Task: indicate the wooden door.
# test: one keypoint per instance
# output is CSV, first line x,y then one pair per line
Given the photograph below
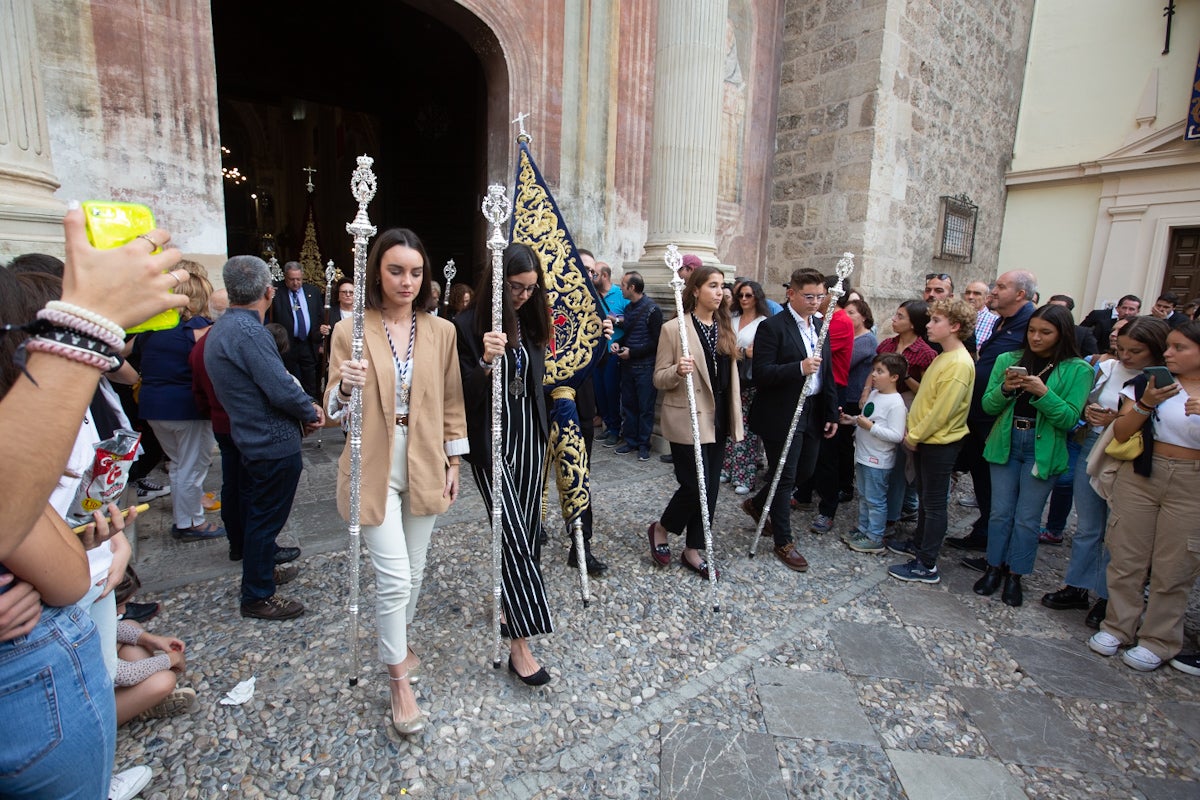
x,y
1183,265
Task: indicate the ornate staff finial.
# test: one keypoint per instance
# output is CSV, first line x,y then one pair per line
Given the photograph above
x,y
276,270
332,273
362,186
674,262
449,271
522,134
310,172
496,207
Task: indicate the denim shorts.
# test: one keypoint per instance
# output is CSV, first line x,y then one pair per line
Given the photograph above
x,y
60,720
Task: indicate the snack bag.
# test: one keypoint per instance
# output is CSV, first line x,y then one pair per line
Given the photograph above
x,y
104,481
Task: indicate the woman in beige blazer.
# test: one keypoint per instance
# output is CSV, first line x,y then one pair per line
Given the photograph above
x,y
409,372
713,346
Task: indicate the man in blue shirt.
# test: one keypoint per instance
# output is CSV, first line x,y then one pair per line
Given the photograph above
x,y
269,413
607,376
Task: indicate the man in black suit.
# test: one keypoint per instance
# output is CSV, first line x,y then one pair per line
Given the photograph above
x,y
785,352
300,308
1164,309
1101,320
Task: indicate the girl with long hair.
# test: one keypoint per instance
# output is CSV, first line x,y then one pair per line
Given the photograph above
x,y
1037,395
741,458
713,349
520,352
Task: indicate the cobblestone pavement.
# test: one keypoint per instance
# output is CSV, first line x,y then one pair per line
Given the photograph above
x,y
836,683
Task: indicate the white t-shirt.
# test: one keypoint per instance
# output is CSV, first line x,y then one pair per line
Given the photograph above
x,y
1110,379
877,447
82,454
745,336
1171,424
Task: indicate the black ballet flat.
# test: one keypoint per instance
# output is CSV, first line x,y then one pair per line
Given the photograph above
x,y
539,678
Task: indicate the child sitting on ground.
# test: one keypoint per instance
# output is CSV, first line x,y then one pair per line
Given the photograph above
x,y
879,430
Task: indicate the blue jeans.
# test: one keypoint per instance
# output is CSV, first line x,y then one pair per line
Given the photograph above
x,y
872,486
1017,502
1063,493
637,403
60,719
607,380
268,488
1089,556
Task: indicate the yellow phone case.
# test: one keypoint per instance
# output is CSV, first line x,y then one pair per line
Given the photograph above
x,y
110,224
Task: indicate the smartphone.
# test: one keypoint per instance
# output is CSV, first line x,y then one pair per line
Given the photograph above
x,y
1162,376
1021,371
144,507
112,224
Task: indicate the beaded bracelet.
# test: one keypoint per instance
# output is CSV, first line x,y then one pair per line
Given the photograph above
x,y
1139,404
86,314
62,319
1138,408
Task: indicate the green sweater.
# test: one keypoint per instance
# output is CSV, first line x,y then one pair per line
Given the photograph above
x,y
1058,412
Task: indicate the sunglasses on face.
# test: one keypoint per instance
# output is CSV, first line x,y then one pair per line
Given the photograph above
x,y
745,295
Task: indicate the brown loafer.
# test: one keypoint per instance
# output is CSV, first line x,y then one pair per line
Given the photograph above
x,y
661,553
286,573
791,558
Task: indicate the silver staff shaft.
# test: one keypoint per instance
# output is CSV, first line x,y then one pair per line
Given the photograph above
x,y
496,208
581,558
362,185
845,266
674,261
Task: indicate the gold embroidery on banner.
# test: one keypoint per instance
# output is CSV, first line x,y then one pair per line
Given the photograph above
x,y
577,326
570,469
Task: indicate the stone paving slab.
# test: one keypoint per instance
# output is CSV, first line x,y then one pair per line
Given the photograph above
x,y
1185,715
699,763
1166,789
812,705
931,609
930,777
1067,669
1023,728
881,651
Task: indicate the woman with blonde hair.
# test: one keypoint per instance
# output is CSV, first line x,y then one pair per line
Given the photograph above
x,y
167,404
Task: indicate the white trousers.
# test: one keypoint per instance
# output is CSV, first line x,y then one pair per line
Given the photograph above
x,y
189,444
398,548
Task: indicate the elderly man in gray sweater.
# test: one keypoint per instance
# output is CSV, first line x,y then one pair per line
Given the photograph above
x,y
268,415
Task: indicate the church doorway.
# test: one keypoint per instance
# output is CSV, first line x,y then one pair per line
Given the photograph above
x,y
301,94
1183,264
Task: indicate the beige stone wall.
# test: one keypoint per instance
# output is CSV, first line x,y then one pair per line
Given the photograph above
x,y
885,105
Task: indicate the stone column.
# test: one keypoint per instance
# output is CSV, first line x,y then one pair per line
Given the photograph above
x,y
688,62
30,216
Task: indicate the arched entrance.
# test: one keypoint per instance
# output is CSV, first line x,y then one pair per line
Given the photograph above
x,y
319,89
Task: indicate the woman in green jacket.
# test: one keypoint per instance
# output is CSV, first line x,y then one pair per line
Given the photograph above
x,y
1037,395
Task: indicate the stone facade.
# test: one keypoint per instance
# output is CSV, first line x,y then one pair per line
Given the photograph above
x,y
884,106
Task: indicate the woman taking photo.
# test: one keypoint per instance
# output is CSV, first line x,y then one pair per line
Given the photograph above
x,y
1141,344
410,474
520,352
1155,500
1037,395
741,457
713,347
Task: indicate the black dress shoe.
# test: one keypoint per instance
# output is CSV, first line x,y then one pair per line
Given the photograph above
x,y
140,612
539,678
978,564
990,582
1097,614
594,565
1012,590
1066,597
283,555
972,541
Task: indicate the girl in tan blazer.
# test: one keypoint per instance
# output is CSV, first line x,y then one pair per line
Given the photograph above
x,y
713,346
414,430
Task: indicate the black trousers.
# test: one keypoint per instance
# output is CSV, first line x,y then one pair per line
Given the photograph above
x,y
971,457
301,361
799,465
683,511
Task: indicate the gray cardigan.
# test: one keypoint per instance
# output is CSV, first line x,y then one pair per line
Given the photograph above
x,y
266,406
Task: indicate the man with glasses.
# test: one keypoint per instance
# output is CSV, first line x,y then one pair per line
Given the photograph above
x,y
642,324
785,354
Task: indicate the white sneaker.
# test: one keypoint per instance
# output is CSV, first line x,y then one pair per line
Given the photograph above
x,y
127,784
1104,643
1141,659
741,490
